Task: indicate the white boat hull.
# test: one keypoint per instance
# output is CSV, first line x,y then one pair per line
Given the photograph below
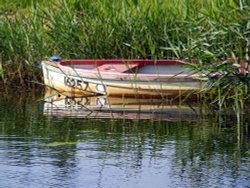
x,y
78,83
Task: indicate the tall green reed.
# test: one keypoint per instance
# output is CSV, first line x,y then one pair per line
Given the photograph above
x,y
209,31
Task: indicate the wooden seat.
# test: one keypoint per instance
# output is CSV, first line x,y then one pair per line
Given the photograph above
x,y
112,67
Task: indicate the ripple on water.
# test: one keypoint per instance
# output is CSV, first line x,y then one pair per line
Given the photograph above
x,y
36,151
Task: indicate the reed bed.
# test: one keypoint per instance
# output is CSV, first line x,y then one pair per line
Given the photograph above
x,y
209,31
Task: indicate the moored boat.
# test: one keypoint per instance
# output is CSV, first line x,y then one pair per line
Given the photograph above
x,y
121,77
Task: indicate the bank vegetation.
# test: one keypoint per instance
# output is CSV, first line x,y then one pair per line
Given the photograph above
x,y
209,31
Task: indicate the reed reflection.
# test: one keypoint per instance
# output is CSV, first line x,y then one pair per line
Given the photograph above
x,y
98,141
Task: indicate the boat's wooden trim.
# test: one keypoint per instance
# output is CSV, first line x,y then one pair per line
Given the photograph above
x,y
128,61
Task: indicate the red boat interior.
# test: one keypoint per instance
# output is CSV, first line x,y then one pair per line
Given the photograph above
x,y
128,66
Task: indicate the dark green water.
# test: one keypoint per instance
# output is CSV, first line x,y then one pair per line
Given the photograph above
x,y
39,148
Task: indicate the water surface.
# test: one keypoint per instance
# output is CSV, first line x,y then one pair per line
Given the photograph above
x,y
70,147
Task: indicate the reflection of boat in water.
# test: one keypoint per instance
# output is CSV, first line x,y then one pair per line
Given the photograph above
x,y
60,106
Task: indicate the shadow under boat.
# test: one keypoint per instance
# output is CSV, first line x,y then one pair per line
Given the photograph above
x,y
103,107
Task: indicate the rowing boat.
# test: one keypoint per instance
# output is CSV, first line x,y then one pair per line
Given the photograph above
x,y
121,77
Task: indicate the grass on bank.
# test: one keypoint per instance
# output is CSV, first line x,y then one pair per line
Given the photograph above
x,y
210,31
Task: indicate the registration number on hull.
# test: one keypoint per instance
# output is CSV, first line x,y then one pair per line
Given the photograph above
x,y
75,83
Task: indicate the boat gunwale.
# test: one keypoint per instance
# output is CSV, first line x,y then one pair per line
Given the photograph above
x,y
64,65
